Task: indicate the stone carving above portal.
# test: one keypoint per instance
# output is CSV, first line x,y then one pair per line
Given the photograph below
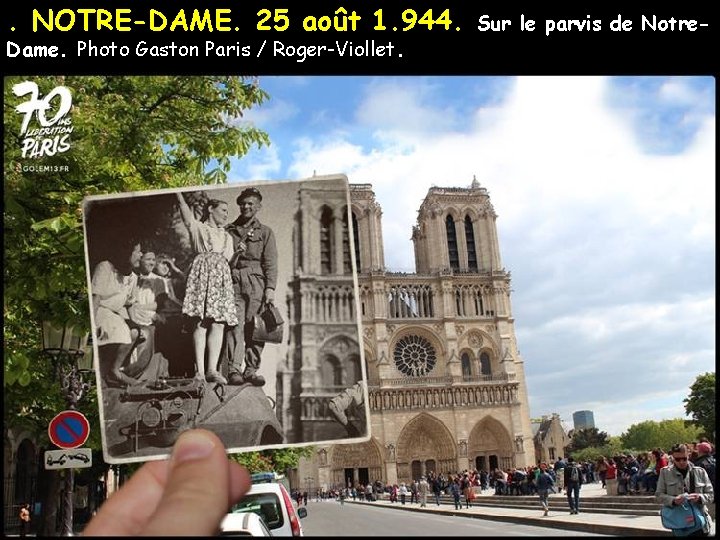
x,y
462,448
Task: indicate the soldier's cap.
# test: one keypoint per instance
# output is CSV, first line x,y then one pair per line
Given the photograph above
x,y
248,192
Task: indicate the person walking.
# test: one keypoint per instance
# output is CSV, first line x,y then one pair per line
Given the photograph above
x,y
254,268
414,492
455,492
423,488
559,469
403,493
707,462
573,481
24,519
545,484
683,481
467,490
436,486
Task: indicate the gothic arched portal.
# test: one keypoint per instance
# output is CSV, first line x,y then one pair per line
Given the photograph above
x,y
427,440
490,445
362,462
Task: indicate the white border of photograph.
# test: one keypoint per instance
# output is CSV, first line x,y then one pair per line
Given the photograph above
x,y
283,214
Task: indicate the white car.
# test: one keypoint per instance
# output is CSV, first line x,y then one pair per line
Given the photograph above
x,y
271,501
244,524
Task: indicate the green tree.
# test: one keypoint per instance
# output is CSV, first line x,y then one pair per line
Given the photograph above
x,y
613,448
584,438
651,434
700,404
128,133
279,460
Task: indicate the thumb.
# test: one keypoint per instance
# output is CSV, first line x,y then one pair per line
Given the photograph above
x,y
196,495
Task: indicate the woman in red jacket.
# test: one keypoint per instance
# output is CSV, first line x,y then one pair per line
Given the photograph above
x,y
611,473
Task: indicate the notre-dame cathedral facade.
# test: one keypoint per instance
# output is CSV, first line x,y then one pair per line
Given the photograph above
x,y
446,383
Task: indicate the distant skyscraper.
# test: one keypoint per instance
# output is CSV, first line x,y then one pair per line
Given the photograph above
x,y
583,420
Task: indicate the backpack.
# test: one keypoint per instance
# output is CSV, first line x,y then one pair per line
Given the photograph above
x,y
574,474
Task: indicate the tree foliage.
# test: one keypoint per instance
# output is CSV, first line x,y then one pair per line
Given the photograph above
x,y
129,133
278,460
700,404
614,447
651,434
584,438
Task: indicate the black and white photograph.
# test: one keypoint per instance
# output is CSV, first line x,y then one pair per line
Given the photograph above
x,y
231,308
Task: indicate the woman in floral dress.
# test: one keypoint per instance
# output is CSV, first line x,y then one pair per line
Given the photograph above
x,y
209,291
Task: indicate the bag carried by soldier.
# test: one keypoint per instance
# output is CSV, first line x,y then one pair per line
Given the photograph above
x,y
268,325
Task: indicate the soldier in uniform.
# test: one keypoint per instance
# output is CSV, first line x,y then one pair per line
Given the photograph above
x,y
254,275
350,401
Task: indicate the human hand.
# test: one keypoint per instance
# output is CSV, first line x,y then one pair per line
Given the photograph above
x,y
679,499
269,296
189,494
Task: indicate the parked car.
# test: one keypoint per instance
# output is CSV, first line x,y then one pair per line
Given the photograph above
x,y
271,501
244,524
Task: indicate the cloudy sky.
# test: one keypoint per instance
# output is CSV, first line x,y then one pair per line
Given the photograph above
x,y
605,195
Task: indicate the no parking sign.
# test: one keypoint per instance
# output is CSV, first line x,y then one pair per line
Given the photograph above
x,y
69,429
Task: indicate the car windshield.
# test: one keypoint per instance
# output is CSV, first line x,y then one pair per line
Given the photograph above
x,y
266,505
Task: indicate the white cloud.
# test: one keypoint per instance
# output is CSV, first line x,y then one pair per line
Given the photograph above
x,y
277,112
395,106
263,163
677,91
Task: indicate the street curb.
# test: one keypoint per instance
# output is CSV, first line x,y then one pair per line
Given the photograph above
x,y
615,530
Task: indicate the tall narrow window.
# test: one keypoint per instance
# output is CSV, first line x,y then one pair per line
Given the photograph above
x,y
326,221
347,263
465,362
356,238
331,372
485,368
470,241
452,243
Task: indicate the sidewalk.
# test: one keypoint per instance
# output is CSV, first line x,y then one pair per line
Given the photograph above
x,y
617,525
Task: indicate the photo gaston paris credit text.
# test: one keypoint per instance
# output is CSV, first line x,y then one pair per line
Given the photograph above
x,y
231,308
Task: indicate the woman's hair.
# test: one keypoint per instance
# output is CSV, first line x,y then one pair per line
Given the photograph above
x,y
210,205
120,255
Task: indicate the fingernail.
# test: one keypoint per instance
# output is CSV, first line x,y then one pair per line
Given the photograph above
x,y
192,445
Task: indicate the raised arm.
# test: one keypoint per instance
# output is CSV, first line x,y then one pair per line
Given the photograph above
x,y
185,211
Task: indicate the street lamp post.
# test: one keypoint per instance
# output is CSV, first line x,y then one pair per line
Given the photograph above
x,y
65,347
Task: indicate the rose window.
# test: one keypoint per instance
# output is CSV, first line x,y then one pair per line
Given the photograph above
x,y
415,356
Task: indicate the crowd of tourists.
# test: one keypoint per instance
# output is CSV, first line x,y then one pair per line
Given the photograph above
x,y
634,474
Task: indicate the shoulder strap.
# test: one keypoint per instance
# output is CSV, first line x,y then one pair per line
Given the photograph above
x,y
692,480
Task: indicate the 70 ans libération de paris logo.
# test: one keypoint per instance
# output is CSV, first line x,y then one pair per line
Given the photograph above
x,y
50,136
